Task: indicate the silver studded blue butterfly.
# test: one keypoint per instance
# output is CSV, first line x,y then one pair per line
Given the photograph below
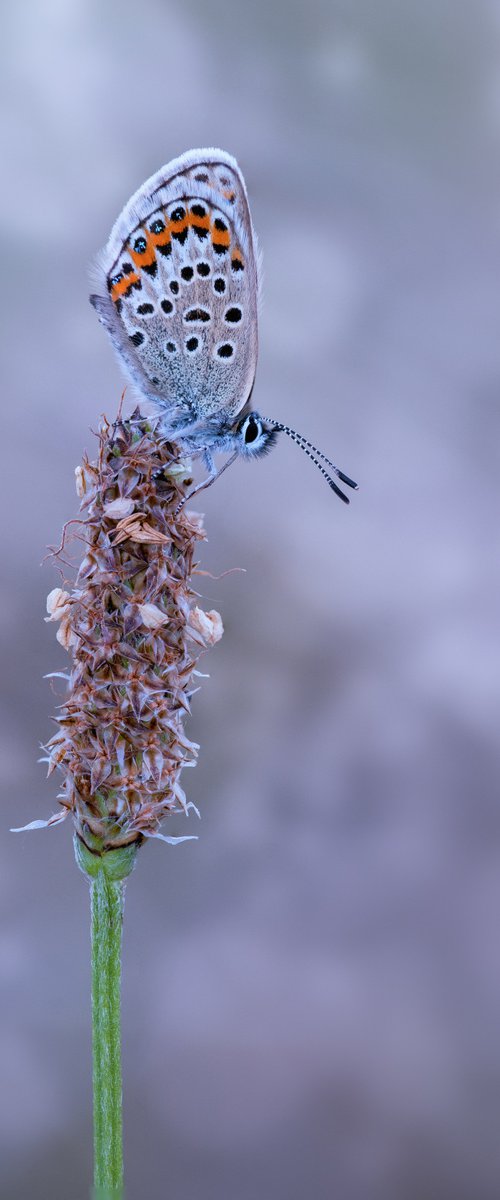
x,y
179,283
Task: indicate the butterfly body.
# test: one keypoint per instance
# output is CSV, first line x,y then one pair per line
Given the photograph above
x,y
179,289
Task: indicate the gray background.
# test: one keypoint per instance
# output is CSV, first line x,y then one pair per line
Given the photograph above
x,y
311,990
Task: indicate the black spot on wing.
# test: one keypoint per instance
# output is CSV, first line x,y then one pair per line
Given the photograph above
x,y
197,314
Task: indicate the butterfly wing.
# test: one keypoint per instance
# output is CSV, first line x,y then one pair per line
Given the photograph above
x,y
179,282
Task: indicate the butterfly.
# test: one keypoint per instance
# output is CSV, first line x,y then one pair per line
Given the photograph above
x,y
179,287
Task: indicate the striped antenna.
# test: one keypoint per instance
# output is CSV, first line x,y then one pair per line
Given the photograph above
x,y
315,454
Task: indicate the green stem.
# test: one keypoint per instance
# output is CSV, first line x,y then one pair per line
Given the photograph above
x,y
107,898
106,872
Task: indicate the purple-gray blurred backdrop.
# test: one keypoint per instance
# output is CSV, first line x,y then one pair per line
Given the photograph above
x,y
312,990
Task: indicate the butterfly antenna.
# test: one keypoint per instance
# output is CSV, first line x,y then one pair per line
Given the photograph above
x,y
314,454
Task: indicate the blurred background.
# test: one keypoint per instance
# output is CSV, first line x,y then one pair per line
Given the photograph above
x,y
312,990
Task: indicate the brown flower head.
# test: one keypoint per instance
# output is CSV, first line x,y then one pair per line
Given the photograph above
x,y
135,635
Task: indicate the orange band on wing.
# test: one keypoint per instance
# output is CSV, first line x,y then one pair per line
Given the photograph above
x,y
146,257
201,222
123,286
220,237
160,239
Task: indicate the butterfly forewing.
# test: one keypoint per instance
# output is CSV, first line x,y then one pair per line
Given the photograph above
x,y
181,279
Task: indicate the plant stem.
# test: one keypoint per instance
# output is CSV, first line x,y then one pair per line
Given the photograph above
x,y
106,871
107,898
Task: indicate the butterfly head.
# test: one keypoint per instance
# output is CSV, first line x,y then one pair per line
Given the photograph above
x,y
253,435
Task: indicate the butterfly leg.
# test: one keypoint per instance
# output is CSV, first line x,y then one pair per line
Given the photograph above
x,y
214,474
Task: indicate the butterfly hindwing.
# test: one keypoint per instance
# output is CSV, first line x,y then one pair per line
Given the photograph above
x,y
180,278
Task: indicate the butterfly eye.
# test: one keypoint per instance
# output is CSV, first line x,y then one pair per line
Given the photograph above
x,y
253,430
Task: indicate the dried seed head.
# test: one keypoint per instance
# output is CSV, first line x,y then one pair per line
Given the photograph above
x,y
135,637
